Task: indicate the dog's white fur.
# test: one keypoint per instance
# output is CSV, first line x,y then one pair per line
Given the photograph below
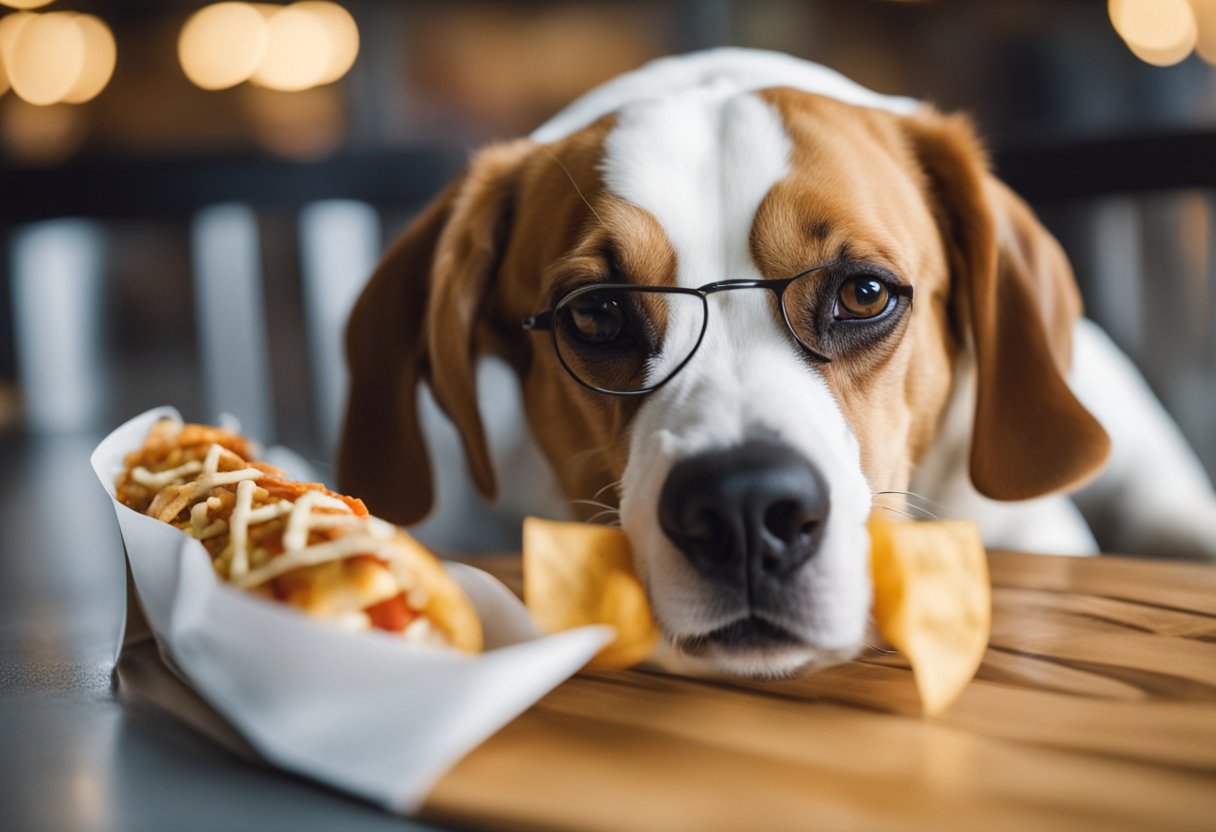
x,y
697,150
700,163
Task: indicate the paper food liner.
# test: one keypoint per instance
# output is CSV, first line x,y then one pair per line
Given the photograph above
x,y
367,712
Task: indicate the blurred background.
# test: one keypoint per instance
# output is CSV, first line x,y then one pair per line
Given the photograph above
x,y
191,195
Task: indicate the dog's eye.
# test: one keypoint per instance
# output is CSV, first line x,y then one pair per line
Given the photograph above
x,y
862,297
597,318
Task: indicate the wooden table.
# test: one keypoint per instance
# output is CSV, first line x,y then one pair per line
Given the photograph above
x,y
1095,708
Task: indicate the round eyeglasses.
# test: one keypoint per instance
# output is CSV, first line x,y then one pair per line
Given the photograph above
x,y
623,339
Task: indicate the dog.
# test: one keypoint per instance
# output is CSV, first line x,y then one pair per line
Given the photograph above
x,y
752,300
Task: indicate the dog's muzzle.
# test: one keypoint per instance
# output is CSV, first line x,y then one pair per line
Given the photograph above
x,y
747,518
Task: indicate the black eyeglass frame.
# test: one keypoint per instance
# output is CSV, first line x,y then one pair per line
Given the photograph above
x,y
544,321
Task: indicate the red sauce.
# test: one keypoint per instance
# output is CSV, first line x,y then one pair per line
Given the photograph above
x,y
393,615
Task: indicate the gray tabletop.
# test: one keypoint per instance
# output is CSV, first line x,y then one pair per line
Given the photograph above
x,y
71,756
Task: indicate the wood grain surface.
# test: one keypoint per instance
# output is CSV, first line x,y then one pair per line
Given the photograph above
x,y
1095,708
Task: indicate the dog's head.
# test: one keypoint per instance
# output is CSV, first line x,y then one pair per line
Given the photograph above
x,y
746,478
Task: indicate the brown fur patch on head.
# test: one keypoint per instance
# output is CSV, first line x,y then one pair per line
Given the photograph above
x,y
569,232
455,286
855,194
913,195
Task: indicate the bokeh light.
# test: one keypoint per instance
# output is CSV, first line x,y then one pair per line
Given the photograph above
x,y
10,26
60,57
343,37
1205,17
222,45
45,58
3,72
25,4
100,55
297,51
1159,32
289,48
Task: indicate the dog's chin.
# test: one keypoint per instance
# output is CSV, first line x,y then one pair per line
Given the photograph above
x,y
747,647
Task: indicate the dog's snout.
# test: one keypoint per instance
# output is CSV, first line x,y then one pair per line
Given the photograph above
x,y
751,514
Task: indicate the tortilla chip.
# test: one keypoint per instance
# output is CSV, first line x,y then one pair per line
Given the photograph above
x,y
932,601
577,574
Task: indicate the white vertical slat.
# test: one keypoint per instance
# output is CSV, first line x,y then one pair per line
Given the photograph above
x,y
1116,250
57,318
339,246
232,318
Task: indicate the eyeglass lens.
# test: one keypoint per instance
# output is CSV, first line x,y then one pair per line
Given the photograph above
x,y
626,340
629,340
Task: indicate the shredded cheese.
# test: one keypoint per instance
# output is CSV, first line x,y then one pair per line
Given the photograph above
x,y
209,481
211,463
367,535
343,547
269,512
162,478
198,517
239,529
296,535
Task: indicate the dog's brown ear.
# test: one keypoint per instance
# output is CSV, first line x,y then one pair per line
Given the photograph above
x,y
416,320
1014,294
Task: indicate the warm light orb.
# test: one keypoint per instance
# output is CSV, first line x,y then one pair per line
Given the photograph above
x,y
221,45
1160,32
1205,17
45,58
25,4
100,54
297,51
10,26
3,71
286,48
1164,57
343,36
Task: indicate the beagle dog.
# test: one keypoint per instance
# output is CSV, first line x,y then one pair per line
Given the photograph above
x,y
750,299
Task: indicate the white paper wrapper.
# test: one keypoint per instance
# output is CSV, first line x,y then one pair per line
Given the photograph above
x,y
365,712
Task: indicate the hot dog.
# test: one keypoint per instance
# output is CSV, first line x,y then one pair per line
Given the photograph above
x,y
294,542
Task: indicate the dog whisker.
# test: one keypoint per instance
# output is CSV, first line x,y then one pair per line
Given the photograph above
x,y
908,509
872,641
577,189
582,456
923,513
613,484
593,504
875,647
612,514
923,500
899,512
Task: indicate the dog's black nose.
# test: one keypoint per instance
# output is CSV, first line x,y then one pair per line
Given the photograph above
x,y
750,514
